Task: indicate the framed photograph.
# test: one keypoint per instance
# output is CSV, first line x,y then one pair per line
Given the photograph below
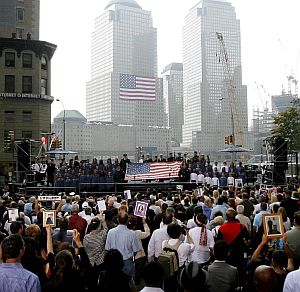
x,y
49,218
179,187
259,178
13,214
197,192
238,182
140,209
127,195
273,225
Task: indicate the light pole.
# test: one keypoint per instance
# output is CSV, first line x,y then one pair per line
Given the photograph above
x,y
64,123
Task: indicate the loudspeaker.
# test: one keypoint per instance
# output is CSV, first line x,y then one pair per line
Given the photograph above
x,y
23,156
278,175
280,153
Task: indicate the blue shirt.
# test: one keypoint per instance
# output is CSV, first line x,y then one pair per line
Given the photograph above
x,y
14,278
258,219
124,240
223,208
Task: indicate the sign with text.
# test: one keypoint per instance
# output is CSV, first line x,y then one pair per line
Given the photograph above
x,y
101,205
49,198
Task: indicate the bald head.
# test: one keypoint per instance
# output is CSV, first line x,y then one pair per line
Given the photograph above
x,y
264,279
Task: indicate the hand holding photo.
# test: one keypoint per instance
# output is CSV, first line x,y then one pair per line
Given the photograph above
x,y
13,214
273,225
49,218
127,195
140,209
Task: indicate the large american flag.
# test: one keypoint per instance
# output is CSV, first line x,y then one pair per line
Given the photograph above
x,y
137,88
153,170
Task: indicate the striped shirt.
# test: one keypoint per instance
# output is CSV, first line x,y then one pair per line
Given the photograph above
x,y
94,244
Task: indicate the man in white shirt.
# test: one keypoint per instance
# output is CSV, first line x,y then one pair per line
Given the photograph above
x,y
230,180
216,167
201,178
215,181
207,180
242,218
194,177
292,282
87,214
155,208
157,238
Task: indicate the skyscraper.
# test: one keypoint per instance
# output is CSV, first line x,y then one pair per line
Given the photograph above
x,y
124,57
20,17
207,108
173,96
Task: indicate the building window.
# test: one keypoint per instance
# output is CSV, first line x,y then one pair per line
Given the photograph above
x,y
44,63
27,84
27,116
27,60
9,116
9,59
27,134
20,14
44,86
20,32
8,139
9,83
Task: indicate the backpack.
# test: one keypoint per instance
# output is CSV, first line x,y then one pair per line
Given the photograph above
x,y
168,258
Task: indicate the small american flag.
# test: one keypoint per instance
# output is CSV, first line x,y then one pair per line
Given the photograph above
x,y
153,170
137,88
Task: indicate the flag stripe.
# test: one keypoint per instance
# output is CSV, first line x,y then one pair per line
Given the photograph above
x,y
155,170
137,87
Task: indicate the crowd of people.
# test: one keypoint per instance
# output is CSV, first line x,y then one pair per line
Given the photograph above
x,y
100,176
212,240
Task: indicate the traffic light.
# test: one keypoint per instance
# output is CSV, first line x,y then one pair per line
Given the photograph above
x,y
59,144
55,143
231,139
226,140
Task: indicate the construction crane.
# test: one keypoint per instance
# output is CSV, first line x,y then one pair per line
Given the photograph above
x,y
238,137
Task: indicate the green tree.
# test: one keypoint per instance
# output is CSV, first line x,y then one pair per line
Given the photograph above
x,y
288,125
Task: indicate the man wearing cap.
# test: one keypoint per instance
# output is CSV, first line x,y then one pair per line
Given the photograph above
x,y
161,158
170,158
148,158
179,157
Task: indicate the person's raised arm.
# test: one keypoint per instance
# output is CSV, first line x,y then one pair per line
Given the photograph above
x,y
36,207
257,252
49,239
58,208
76,238
146,232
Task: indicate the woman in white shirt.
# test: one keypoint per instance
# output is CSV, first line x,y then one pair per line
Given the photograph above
x,y
203,241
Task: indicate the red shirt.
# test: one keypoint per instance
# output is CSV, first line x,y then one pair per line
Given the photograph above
x,y
76,222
